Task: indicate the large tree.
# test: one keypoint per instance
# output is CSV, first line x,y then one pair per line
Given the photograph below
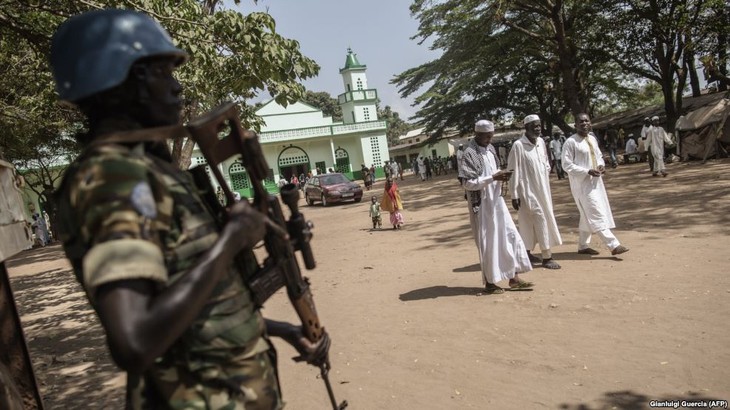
x,y
232,57
660,40
504,58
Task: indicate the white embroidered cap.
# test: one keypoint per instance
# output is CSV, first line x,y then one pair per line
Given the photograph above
x,y
484,126
530,118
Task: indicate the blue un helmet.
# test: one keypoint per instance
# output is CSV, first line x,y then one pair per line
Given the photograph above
x,y
93,52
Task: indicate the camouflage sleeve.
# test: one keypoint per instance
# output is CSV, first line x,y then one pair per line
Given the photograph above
x,y
116,206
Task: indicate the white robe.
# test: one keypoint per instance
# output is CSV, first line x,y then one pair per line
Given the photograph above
x,y
501,250
531,184
655,138
588,192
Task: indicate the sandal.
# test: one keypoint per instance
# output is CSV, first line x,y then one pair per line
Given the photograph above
x,y
521,285
550,264
588,251
491,289
619,250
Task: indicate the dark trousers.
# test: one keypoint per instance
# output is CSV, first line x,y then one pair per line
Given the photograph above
x,y
559,169
651,160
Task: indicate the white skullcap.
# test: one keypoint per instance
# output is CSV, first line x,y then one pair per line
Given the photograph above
x,y
484,126
530,118
655,118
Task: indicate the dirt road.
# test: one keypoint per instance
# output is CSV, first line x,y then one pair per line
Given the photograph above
x,y
409,331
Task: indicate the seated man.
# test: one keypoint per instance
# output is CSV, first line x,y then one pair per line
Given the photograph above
x,y
632,150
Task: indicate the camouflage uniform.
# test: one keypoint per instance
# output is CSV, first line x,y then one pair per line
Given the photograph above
x,y
127,214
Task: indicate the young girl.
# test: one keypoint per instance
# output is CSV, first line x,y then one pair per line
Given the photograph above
x,y
392,203
375,213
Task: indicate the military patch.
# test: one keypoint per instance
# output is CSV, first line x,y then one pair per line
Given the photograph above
x,y
143,201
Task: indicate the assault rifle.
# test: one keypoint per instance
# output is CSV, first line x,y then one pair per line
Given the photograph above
x,y
283,237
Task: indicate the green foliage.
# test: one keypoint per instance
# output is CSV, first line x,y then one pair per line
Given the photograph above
x,y
325,102
506,58
396,125
502,59
660,41
232,57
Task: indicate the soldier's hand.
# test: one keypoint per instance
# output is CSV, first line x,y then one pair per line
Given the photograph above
x,y
314,353
516,204
246,226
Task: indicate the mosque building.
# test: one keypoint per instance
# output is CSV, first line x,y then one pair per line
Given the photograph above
x,y
299,138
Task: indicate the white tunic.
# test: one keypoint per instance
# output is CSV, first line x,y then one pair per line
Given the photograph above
x,y
655,142
501,250
531,184
588,192
421,166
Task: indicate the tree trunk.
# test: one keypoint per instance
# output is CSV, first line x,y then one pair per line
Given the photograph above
x,y
186,154
694,79
722,55
568,70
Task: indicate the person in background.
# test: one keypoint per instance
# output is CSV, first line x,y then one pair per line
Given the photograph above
x,y
421,165
38,231
612,145
394,169
366,177
644,142
392,203
282,181
631,148
556,148
375,213
656,137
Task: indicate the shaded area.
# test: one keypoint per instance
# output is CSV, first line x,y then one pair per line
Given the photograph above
x,y
692,194
433,292
36,255
629,400
471,268
66,342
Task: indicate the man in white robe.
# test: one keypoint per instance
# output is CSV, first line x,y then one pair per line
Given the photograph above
x,y
644,142
583,161
655,144
529,188
421,167
502,254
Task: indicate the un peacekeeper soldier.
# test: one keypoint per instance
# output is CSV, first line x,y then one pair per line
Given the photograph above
x,y
155,265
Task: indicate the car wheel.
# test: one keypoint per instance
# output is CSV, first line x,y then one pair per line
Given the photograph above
x,y
358,199
324,200
309,200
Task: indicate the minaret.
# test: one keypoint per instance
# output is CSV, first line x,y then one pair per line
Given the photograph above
x,y
357,102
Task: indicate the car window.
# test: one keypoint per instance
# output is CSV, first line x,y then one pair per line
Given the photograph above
x,y
334,179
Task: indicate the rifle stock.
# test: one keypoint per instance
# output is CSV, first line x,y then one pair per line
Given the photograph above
x,y
280,267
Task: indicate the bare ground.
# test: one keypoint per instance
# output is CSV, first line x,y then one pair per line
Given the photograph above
x,y
409,331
